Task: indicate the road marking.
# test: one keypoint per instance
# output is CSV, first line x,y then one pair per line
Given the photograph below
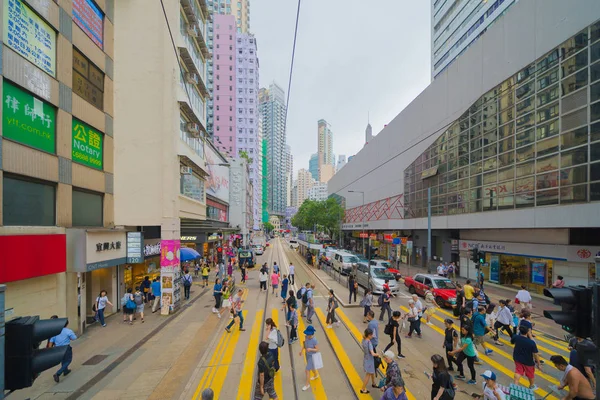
x,y
245,385
355,379
356,333
495,364
278,381
317,384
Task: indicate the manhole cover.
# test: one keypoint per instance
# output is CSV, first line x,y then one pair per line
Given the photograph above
x,y
95,360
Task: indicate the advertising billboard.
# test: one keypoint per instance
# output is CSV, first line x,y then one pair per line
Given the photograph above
x,y
217,182
88,146
29,35
88,16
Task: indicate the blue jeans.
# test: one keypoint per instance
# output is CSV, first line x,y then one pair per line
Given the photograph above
x,y
288,315
275,354
66,361
101,316
241,317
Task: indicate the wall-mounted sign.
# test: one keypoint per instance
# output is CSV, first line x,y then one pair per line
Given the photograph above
x,y
188,238
28,120
88,80
135,244
87,145
363,235
217,183
152,249
428,173
104,249
107,246
373,236
213,237
29,35
89,18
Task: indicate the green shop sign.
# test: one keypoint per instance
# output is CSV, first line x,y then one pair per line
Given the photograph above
x,y
27,119
87,145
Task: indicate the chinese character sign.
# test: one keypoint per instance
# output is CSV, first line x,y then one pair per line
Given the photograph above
x,y
90,19
169,253
29,35
87,145
28,120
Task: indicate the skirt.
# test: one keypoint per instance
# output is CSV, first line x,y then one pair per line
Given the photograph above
x,y
430,311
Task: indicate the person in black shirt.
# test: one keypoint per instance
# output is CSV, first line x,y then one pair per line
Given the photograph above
x,y
460,300
466,318
393,327
442,381
450,342
352,288
265,381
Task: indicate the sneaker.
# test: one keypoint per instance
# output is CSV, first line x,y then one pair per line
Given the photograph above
x,y
67,372
429,323
488,352
477,362
533,387
219,315
227,329
472,382
329,326
408,336
312,378
305,388
243,329
55,376
460,377
401,356
498,344
338,324
104,326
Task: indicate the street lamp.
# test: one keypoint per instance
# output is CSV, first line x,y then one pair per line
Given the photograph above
x,y
362,217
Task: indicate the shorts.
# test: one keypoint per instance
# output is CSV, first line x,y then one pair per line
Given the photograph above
x,y
269,388
204,278
128,311
430,311
478,340
275,286
527,371
140,308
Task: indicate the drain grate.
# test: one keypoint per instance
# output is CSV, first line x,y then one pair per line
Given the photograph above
x,y
95,360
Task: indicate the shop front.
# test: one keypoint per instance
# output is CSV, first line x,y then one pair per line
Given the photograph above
x,y
148,266
95,255
534,265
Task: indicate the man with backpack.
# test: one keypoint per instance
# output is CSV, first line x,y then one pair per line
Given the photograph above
x,y
266,373
310,303
301,295
187,284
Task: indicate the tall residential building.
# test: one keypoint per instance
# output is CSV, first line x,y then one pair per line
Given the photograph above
x,y
295,193
163,132
247,116
340,162
305,181
456,24
313,166
318,192
368,133
225,84
325,138
326,172
265,174
272,112
57,172
289,173
240,9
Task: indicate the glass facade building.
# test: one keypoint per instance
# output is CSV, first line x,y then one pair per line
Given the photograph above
x,y
531,141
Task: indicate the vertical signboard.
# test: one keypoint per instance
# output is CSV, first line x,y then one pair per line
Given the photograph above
x,y
170,275
29,35
135,246
28,120
88,145
88,16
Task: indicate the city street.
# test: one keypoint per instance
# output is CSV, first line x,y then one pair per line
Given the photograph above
x,y
178,356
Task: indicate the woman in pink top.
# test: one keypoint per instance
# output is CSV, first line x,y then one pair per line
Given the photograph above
x,y
274,282
559,282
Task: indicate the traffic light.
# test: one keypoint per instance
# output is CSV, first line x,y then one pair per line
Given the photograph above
x,y
481,257
474,254
23,361
219,254
576,314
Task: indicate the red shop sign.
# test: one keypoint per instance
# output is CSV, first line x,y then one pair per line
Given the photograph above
x,y
373,236
363,235
387,237
31,256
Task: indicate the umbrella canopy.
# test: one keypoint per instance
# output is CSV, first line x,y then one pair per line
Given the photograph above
x,y
187,254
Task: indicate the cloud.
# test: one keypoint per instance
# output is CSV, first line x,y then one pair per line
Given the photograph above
x,y
352,58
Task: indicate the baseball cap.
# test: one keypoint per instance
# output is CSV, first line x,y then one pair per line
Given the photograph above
x,y
489,375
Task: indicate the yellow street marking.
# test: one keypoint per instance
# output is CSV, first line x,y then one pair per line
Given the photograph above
x,y
221,371
356,333
338,349
495,364
317,384
278,382
245,385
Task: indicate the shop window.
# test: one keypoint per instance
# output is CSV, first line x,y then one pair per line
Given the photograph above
x,y
87,208
573,194
574,138
28,202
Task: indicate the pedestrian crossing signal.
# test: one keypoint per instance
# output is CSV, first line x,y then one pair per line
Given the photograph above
x,y
576,314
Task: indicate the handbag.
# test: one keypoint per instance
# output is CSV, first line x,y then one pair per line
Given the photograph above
x,y
317,360
130,304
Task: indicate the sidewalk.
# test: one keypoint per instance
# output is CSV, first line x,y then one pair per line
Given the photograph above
x,y
129,361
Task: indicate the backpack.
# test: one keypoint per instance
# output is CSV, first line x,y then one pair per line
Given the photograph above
x,y
388,330
280,339
187,282
270,369
305,297
380,300
138,299
299,293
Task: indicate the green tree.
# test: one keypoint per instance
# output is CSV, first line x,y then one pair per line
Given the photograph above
x,y
268,226
244,155
326,214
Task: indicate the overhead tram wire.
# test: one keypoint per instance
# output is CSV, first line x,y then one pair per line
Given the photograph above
x,y
287,103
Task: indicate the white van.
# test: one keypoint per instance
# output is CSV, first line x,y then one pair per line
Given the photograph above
x,y
294,244
344,262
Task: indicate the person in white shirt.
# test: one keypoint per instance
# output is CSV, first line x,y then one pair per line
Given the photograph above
x,y
504,320
491,391
292,273
262,278
440,270
524,298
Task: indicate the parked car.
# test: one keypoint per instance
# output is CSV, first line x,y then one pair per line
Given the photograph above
x,y
378,277
294,244
326,256
258,250
443,289
344,262
388,266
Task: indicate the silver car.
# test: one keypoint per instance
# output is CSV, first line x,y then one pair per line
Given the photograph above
x,y
378,277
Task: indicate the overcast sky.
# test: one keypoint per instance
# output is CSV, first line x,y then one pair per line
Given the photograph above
x,y
352,57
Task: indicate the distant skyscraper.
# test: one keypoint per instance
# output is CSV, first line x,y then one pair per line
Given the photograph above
x,y
455,25
313,166
326,172
272,113
368,133
340,162
318,192
305,182
325,143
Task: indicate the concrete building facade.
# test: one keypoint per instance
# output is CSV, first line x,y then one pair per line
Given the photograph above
x,y
340,162
289,174
318,192
241,198
272,113
507,141
304,182
326,172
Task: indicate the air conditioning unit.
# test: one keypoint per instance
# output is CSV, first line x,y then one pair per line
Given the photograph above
x,y
192,30
186,170
191,78
193,128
